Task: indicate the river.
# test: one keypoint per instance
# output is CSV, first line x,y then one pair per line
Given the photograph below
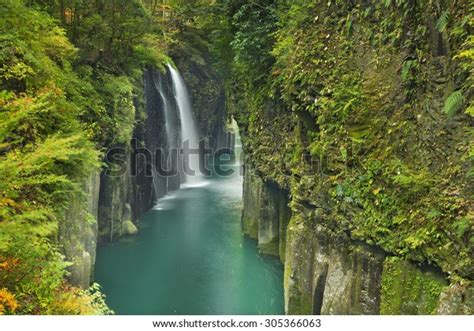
x,y
190,257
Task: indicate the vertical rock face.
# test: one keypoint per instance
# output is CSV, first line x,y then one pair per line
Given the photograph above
x,y
326,273
410,290
252,195
78,233
127,194
155,133
150,143
115,193
266,213
329,273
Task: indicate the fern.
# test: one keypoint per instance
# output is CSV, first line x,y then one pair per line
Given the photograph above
x,y
387,3
406,69
443,21
453,103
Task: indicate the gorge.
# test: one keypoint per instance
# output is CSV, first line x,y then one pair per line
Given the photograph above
x,y
193,258
347,127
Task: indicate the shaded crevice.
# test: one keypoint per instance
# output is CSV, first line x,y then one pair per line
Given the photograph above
x,y
318,293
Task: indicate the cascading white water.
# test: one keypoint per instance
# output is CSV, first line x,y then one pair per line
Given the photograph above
x,y
188,126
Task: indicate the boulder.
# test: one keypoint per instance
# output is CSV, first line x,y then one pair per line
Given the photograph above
x,y
128,228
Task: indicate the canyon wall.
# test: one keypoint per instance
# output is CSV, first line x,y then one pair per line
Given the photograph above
x,y
360,114
79,231
327,272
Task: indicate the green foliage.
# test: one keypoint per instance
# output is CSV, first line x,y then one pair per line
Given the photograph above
x,y
406,69
70,78
27,119
117,93
465,56
253,25
443,21
352,119
106,32
45,154
31,55
408,291
46,174
34,290
453,103
73,301
150,53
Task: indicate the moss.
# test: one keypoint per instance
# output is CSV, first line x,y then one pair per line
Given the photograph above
x,y
286,283
457,299
408,290
288,269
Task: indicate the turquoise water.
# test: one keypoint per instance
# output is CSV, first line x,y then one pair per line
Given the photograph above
x,y
190,257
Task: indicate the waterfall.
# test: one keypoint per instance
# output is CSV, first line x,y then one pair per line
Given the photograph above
x,y
188,125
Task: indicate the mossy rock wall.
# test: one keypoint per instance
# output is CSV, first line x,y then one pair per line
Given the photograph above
x,y
408,290
78,233
364,110
266,214
327,272
115,194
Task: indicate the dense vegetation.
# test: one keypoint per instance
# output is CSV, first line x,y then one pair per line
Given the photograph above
x,y
362,109
68,74
70,87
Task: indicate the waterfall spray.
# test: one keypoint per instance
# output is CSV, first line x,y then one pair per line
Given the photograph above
x,y
188,126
